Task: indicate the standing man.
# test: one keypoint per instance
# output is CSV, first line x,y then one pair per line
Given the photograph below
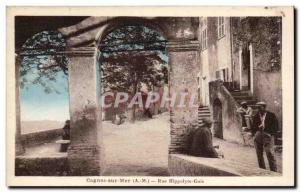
x,y
265,127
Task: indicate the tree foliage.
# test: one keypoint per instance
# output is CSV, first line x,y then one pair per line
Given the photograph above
x,y
130,55
265,35
133,56
41,61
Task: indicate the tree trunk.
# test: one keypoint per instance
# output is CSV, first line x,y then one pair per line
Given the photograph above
x,y
132,111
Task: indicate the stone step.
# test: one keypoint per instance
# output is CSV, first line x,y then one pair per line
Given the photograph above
x,y
203,112
203,108
203,115
249,102
199,114
241,93
246,98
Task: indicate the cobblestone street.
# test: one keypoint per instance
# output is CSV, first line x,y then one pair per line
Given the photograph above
x,y
142,148
137,149
244,154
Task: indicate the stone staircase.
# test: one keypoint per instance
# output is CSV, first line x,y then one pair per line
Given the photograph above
x,y
203,112
239,96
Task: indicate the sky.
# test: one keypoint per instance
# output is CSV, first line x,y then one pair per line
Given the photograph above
x,y
37,105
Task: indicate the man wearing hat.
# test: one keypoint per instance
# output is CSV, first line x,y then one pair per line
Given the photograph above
x,y
245,110
265,127
201,141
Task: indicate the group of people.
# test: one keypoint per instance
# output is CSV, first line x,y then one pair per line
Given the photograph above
x,y
263,126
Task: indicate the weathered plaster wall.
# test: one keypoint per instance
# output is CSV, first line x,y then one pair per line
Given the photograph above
x,y
224,47
204,71
270,81
184,62
212,47
84,151
95,28
184,165
230,118
205,78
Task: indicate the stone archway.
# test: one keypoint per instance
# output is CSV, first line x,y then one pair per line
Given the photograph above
x,y
217,119
86,129
129,51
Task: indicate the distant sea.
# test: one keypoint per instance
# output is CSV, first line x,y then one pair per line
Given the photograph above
x,y
37,126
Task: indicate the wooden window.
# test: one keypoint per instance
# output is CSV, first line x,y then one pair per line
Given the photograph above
x,y
221,27
203,35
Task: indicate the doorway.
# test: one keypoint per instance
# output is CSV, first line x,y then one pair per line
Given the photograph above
x,y
246,68
217,119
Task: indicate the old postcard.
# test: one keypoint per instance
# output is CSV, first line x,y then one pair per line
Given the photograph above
x,y
150,96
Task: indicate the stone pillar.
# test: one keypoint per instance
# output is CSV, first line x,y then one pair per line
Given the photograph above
x,y
184,67
19,149
84,90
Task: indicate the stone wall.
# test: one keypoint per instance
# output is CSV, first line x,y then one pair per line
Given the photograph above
x,y
25,166
231,120
184,66
42,137
84,150
184,165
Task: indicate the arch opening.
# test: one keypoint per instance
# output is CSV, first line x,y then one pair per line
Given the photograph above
x,y
217,118
133,64
42,76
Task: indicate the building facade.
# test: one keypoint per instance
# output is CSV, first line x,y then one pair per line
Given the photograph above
x,y
240,61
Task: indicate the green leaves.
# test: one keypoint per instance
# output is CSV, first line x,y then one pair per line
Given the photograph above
x,y
265,35
42,61
132,56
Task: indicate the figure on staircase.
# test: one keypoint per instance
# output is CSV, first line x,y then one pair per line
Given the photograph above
x,y
246,113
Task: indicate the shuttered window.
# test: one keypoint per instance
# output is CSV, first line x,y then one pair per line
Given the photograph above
x,y
221,27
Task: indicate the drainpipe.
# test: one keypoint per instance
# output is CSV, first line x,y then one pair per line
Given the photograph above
x,y
231,50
